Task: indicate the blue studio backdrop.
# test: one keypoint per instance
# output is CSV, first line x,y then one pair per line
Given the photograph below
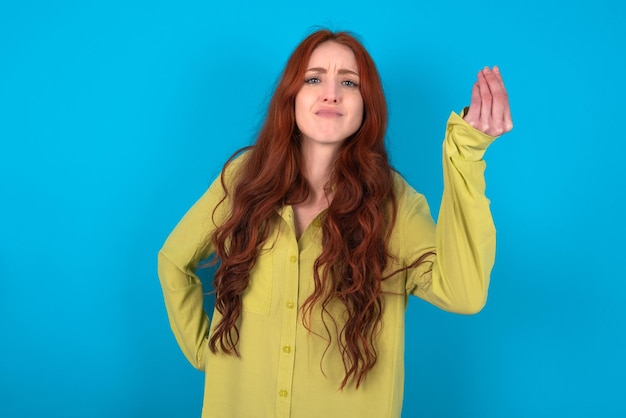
x,y
116,115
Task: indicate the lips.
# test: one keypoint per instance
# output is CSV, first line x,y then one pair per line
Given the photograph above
x,y
329,113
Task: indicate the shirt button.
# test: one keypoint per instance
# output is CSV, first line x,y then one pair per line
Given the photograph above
x,y
282,393
317,223
287,349
290,304
293,259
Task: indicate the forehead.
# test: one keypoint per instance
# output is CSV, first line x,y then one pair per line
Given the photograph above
x,y
333,54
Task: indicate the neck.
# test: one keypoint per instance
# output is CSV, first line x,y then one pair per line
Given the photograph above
x,y
318,163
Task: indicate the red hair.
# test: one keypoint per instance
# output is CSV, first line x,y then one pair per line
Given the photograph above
x,y
356,227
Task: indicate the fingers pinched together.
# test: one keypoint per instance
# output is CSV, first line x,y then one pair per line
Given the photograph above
x,y
489,110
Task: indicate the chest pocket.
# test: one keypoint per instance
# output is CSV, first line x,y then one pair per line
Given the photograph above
x,y
258,295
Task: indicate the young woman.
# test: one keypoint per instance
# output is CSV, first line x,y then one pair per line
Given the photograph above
x,y
319,242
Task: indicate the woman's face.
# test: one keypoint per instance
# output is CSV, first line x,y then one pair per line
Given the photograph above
x,y
329,106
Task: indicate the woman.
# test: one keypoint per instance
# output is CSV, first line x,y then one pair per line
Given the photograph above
x,y
319,242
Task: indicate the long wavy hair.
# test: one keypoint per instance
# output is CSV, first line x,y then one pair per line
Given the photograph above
x,y
356,227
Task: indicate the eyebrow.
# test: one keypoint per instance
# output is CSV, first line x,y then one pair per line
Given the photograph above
x,y
323,71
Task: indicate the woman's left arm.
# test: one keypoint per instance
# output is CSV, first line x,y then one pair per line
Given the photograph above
x,y
464,238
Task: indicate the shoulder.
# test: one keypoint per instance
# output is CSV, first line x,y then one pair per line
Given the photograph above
x,y
410,204
404,193
234,166
413,227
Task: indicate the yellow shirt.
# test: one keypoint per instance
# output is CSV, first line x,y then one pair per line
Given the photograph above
x,y
285,370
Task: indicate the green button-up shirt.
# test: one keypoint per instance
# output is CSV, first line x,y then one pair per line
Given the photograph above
x,y
286,370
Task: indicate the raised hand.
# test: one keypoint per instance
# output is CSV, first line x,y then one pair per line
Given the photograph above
x,y
489,110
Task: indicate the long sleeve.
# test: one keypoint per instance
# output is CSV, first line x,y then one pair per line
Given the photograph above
x,y
456,278
189,243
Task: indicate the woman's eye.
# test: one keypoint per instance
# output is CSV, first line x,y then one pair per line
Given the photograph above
x,y
350,83
312,80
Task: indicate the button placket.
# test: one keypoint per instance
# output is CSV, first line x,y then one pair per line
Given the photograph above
x,y
288,332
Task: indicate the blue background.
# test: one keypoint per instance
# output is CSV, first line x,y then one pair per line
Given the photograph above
x,y
115,116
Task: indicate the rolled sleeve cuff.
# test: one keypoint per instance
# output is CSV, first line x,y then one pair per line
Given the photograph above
x,y
465,140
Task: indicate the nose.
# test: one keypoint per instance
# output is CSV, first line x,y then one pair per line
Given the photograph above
x,y
331,93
